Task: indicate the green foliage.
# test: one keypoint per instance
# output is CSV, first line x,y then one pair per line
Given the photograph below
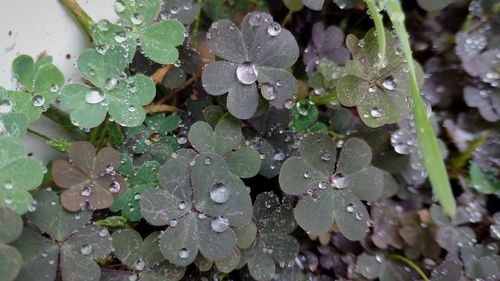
x,y
232,9
18,175
201,201
11,227
122,96
305,116
70,244
156,128
12,122
88,177
332,189
378,266
483,182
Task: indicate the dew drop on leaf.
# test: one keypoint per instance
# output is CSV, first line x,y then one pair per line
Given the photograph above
x,y
86,191
104,24
86,249
132,277
119,7
137,196
103,232
54,88
351,208
339,181
131,108
114,187
307,174
8,200
110,83
8,185
95,95
255,19
268,91
359,216
372,89
182,205
376,112
136,19
220,193
247,73
322,185
173,223
120,37
274,29
361,43
184,253
139,264
207,161
220,224
5,106
389,83
289,103
326,156
177,63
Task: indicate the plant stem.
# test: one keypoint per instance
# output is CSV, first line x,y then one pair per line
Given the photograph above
x,y
40,135
461,159
81,16
103,134
287,18
410,264
58,144
379,29
62,119
196,27
433,160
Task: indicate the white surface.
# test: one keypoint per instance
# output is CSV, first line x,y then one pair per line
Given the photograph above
x,y
36,26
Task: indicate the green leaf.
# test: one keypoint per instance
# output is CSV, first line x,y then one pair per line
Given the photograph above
x,y
482,182
12,262
13,125
11,225
18,175
139,13
245,162
156,129
304,116
154,40
109,34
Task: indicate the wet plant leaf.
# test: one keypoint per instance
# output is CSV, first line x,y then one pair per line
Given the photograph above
x,y
185,11
88,177
11,227
325,44
157,128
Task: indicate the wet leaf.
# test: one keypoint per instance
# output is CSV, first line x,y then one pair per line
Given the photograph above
x,y
157,128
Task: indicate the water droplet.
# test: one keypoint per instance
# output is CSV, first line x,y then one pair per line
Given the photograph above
x,y
114,187
54,88
268,91
307,174
136,19
5,106
326,156
351,208
220,224
137,196
8,200
207,161
8,185
133,277
86,249
184,253
102,50
274,29
372,89
110,83
95,95
255,19
289,103
139,264
338,180
32,206
247,73
188,6
103,25
389,83
359,216
202,216
131,108
361,43
173,223
220,193
182,205
103,232
322,185
109,169
174,10
376,112
119,7
86,191
177,63
182,140
120,37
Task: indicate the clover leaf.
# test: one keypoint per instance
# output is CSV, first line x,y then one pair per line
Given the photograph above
x,y
273,243
325,44
380,91
386,225
202,202
122,96
88,177
61,243
156,129
144,257
419,234
12,122
305,118
185,11
39,79
157,40
188,63
258,53
486,100
329,189
225,140
141,179
11,227
373,267
18,175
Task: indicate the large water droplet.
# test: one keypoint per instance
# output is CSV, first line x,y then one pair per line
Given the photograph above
x,y
119,7
114,187
289,104
322,185
86,249
372,89
86,191
351,208
110,83
184,253
220,193
120,37
103,232
38,101
103,25
8,200
268,91
136,19
376,112
182,205
389,83
359,216
95,95
274,29
139,264
5,106
8,185
220,224
247,73
339,181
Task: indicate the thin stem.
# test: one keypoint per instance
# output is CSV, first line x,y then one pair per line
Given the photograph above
x,y
460,161
196,27
103,134
431,152
81,16
287,18
379,28
410,264
63,120
40,135
58,144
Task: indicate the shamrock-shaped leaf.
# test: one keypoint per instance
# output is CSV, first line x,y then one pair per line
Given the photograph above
x,y
88,177
11,226
373,267
325,43
273,243
201,201
144,257
448,270
141,179
379,90
156,128
225,140
122,96
188,63
330,188
185,11
16,111
18,174
158,40
385,215
480,262
66,245
305,116
419,234
257,54
40,79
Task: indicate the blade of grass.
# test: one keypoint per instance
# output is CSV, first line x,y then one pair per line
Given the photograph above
x,y
433,161
379,29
